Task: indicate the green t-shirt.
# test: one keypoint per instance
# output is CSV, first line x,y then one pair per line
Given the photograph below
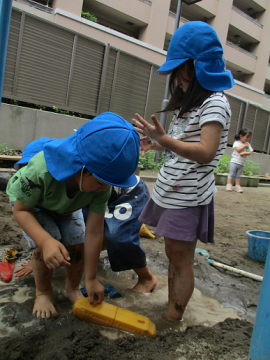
x,y
33,185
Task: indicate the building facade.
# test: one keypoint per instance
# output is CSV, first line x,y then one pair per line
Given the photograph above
x,y
56,57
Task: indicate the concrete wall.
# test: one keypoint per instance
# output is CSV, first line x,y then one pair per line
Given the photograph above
x,y
22,125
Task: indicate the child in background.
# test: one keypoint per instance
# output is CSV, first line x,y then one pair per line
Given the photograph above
x,y
50,192
182,207
242,149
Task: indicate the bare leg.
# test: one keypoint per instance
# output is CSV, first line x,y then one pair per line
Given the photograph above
x,y
237,182
74,272
146,281
181,276
44,293
25,270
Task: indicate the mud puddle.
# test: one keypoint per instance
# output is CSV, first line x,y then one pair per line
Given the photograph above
x,y
201,310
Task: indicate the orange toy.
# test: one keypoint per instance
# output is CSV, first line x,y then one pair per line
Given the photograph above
x,y
7,265
113,316
6,271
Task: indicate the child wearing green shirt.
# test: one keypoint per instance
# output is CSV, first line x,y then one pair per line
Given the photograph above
x,y
49,192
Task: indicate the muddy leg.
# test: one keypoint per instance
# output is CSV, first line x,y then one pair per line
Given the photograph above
x,y
74,272
146,281
44,293
181,276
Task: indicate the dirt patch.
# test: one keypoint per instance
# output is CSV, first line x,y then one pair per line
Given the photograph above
x,y
69,338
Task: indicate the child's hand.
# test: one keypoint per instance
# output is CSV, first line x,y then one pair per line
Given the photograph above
x,y
95,291
153,132
145,145
55,254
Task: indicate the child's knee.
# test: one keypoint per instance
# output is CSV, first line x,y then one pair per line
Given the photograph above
x,y
37,254
75,252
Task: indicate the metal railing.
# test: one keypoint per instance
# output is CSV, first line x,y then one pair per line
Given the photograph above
x,y
247,16
240,49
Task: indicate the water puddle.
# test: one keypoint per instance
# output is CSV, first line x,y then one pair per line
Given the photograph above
x,y
201,310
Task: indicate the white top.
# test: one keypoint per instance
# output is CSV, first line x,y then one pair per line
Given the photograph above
x,y
236,158
183,183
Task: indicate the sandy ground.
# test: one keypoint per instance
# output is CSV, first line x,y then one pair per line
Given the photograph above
x,y
69,338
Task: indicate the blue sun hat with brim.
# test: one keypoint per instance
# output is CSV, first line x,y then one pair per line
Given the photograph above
x,y
199,41
31,150
108,146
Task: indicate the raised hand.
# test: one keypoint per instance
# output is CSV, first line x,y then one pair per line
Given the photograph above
x,y
153,132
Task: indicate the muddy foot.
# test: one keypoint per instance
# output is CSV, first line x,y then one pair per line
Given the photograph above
x,y
44,305
145,286
74,294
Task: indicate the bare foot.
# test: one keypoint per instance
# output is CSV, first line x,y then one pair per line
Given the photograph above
x,y
25,270
44,305
145,286
165,316
175,312
74,294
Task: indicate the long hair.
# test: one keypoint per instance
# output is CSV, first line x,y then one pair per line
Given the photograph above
x,y
195,94
242,132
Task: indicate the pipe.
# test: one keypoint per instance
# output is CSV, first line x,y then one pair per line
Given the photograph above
x,y
260,344
5,14
238,271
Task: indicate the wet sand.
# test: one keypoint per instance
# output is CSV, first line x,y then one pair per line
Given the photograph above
x,y
219,294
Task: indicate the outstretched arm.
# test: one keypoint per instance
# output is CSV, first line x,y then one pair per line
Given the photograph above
x,y
202,152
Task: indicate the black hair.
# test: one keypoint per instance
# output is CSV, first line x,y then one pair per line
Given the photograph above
x,y
242,132
195,94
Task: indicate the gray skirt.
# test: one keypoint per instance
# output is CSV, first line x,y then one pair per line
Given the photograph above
x,y
187,224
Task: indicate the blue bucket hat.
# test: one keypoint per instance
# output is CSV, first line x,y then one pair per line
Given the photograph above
x,y
108,146
199,41
31,150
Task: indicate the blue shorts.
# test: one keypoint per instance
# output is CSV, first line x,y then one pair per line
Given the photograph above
x,y
122,227
68,229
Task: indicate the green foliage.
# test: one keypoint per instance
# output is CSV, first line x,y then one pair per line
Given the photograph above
x,y
251,168
4,150
148,161
65,112
89,16
223,164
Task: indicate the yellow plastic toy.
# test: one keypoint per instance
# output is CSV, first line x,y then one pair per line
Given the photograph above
x,y
113,316
145,232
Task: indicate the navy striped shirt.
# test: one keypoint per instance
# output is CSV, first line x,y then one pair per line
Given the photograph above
x,y
183,183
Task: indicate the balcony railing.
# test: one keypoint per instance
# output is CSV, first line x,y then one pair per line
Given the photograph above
x,y
172,14
247,16
240,49
148,2
37,5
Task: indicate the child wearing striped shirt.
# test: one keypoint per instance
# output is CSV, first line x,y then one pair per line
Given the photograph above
x,y
182,207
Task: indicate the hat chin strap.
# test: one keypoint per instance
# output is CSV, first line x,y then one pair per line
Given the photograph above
x,y
80,185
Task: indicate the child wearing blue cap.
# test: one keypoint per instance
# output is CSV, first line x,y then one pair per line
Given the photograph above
x,y
182,207
121,226
50,192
